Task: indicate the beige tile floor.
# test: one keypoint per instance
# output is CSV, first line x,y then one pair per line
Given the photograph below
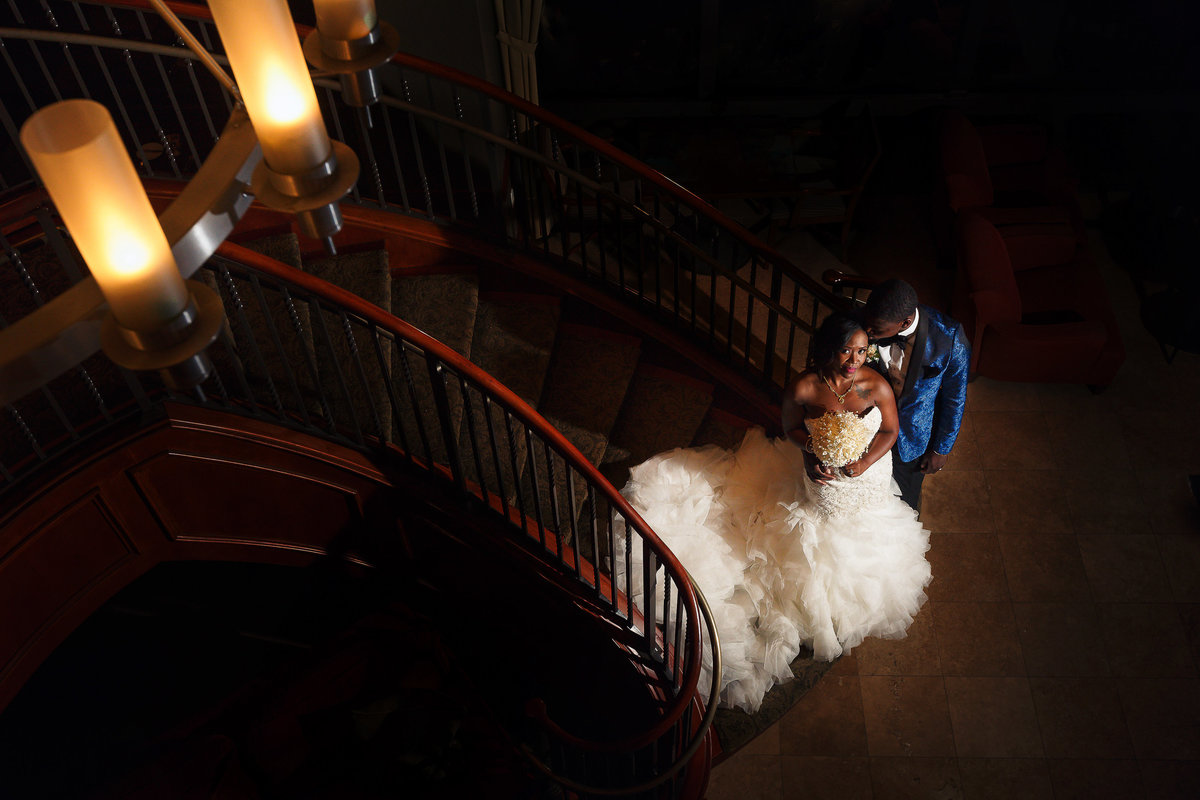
x,y
1059,653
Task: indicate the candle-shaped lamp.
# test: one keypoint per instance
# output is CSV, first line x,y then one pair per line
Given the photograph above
x,y
350,41
83,164
157,321
264,52
302,171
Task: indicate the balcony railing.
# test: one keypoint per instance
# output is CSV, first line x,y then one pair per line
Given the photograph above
x,y
448,147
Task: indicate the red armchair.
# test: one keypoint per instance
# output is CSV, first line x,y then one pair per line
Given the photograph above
x,y
1009,173
1041,315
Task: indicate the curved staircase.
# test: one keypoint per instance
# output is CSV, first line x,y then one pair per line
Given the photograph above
x,y
630,314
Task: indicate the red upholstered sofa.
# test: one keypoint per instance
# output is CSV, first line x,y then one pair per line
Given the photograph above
x,y
1033,305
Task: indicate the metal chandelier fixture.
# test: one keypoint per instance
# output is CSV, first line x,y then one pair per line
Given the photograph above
x,y
140,303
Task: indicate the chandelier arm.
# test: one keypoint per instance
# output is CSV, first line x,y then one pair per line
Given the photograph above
x,y
194,45
65,331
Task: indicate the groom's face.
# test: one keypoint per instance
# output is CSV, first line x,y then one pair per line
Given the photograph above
x,y
881,328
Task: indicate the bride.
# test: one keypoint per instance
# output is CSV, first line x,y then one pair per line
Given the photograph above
x,y
800,541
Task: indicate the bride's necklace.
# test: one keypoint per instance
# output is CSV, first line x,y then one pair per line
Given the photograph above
x,y
841,398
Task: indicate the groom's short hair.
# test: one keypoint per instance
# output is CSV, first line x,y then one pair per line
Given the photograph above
x,y
891,301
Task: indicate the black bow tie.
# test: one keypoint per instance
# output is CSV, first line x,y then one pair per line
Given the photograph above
x,y
891,340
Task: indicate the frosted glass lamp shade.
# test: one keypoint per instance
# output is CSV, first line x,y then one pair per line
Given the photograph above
x,y
264,52
75,148
345,19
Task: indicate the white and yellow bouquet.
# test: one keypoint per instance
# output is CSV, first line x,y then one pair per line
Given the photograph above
x,y
838,438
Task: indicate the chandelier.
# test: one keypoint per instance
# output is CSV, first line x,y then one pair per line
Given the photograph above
x,y
274,148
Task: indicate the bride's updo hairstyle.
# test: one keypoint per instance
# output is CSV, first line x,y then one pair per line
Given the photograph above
x,y
831,337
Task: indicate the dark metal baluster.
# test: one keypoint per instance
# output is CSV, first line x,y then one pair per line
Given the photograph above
x,y
487,409
117,95
148,107
649,603
23,427
318,314
20,82
52,19
228,341
441,146
415,404
694,282
559,193
437,370
555,516
512,457
730,315
534,483
660,255
791,348
416,149
367,154
462,143
190,67
612,562
751,301
640,238
206,30
168,86
239,309
393,404
597,559
472,437
712,309
583,260
360,369
54,238
37,56
573,520
332,109
391,139
600,234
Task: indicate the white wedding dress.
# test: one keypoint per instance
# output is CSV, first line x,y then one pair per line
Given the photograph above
x,y
783,562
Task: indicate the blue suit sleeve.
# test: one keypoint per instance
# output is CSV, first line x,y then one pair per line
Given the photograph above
x,y
952,396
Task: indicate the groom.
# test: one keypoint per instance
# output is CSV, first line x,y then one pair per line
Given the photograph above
x,y
925,356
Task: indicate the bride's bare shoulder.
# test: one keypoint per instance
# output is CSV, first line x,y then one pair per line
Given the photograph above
x,y
803,386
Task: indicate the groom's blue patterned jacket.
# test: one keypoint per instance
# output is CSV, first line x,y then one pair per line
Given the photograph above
x,y
935,387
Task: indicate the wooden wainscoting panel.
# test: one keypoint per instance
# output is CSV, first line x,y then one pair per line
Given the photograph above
x,y
55,566
219,500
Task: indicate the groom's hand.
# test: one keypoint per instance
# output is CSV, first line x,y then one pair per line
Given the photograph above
x,y
932,462
817,472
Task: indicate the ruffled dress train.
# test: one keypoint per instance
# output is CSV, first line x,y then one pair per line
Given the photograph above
x,y
784,563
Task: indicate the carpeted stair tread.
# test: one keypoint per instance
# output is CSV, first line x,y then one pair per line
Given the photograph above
x,y
663,409
721,428
366,274
589,374
513,339
442,305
